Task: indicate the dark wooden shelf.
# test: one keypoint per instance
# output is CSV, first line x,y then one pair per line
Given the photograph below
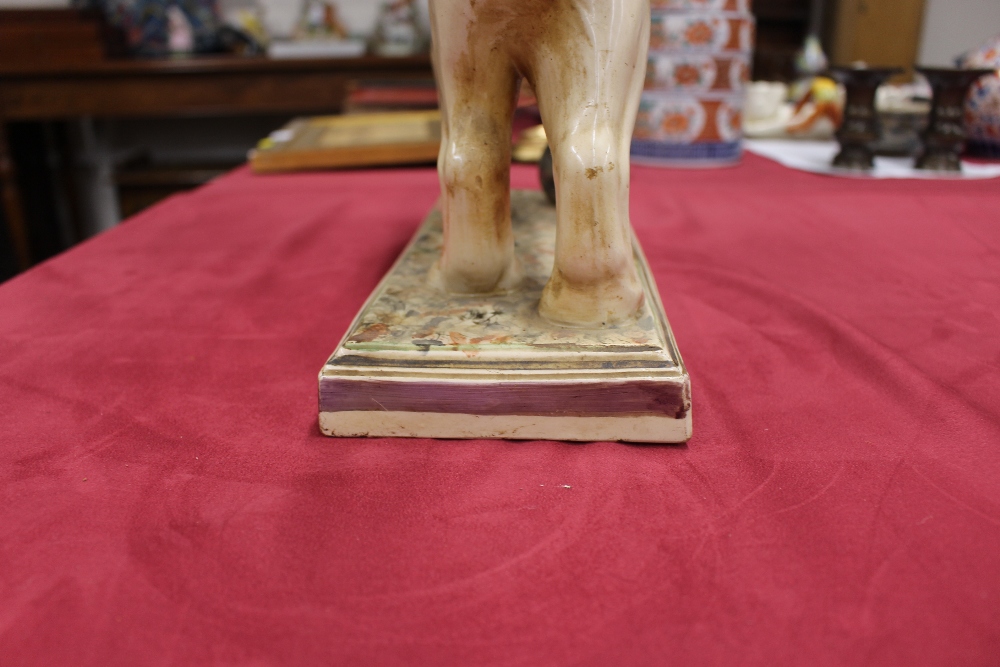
x,y
75,78
209,64
781,10
192,86
781,30
142,185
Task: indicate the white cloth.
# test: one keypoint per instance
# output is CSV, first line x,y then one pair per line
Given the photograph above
x,y
816,156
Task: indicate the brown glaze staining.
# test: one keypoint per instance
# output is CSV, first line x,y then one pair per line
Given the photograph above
x,y
580,56
631,399
370,333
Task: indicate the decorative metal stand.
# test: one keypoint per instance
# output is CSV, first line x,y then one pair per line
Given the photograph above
x,y
860,130
944,138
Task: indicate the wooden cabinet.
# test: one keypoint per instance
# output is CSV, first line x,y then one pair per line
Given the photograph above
x,y
76,80
781,29
882,33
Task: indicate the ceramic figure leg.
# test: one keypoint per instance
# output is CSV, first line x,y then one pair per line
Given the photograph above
x,y
588,73
478,87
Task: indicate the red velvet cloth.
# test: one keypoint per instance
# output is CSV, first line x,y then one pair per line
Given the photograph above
x,y
167,499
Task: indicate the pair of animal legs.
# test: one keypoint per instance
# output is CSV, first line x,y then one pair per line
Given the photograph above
x,y
586,60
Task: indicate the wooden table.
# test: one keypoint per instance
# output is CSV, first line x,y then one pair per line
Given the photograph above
x,y
181,87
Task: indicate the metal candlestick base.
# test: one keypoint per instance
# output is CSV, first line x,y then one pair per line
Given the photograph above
x,y
944,138
860,130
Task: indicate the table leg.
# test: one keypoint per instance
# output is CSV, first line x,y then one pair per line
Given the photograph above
x,y
12,207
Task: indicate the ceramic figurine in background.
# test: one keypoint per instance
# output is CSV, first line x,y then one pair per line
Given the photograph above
x,y
506,317
982,107
246,18
811,61
766,109
319,33
821,101
398,31
320,19
180,33
818,96
163,27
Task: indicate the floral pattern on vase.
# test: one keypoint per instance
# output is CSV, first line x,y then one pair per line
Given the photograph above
x,y
982,108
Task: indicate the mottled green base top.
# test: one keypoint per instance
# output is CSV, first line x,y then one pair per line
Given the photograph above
x,y
407,313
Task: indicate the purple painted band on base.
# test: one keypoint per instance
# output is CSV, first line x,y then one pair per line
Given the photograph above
x,y
594,399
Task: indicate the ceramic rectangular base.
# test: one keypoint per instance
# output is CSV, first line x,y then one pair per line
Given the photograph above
x,y
418,362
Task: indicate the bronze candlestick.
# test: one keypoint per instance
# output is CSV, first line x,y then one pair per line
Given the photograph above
x,y
944,138
860,130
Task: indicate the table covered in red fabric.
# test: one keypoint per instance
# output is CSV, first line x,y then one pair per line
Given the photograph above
x,y
167,499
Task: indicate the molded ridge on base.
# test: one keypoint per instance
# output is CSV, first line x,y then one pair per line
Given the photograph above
x,y
418,362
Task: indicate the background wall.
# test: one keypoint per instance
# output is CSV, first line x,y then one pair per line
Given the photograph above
x,y
952,27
